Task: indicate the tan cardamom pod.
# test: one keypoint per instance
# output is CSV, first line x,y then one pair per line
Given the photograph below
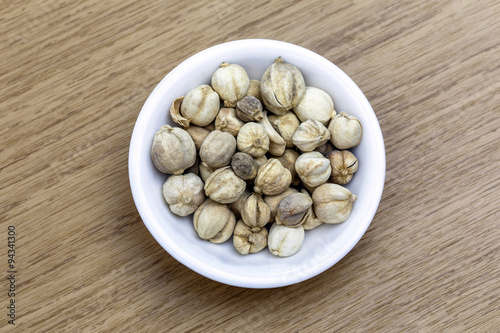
x,y
282,87
344,164
255,212
272,178
173,150
249,108
292,209
249,240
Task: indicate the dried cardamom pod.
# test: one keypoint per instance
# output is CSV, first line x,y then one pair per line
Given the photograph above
x,y
282,87
249,240
253,139
344,164
173,150
310,135
292,209
272,178
316,104
217,149
313,168
231,82
249,108
285,125
255,212
227,121
199,107
333,203
244,166
284,241
224,186
345,130
183,193
214,222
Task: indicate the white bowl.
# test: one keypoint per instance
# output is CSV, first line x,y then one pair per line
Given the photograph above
x,y
323,246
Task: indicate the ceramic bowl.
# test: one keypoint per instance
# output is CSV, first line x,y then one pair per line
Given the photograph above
x,y
323,246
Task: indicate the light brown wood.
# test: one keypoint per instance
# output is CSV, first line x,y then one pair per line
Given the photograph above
x,y
73,78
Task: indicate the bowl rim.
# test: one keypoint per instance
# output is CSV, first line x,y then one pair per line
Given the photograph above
x,y
202,268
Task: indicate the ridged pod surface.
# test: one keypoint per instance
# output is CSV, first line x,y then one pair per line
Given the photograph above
x,y
282,87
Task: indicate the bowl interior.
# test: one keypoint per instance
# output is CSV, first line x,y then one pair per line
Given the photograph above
x,y
323,246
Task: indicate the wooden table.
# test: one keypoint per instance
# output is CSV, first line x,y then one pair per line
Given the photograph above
x,y
73,78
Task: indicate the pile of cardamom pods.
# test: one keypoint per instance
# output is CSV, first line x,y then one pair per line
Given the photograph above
x,y
263,167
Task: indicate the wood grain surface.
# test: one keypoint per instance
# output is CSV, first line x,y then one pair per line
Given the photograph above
x,y
73,78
